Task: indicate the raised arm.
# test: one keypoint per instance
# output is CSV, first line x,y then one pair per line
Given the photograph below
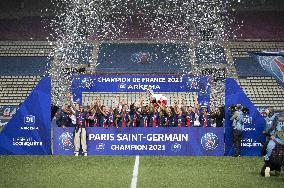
x,y
70,100
196,105
142,97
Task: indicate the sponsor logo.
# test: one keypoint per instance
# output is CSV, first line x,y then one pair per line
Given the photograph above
x,y
100,147
209,141
29,120
176,147
29,128
248,142
248,129
66,141
122,86
247,120
29,142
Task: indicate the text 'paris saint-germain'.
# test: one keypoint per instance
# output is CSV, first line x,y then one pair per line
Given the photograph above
x,y
139,137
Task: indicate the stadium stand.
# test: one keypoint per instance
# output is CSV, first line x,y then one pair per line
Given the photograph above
x,y
263,91
22,64
141,58
33,53
24,48
261,88
27,66
14,89
243,48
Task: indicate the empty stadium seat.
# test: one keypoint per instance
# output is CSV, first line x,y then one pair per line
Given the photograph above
x,y
247,66
23,65
142,58
25,48
263,91
243,48
14,89
261,88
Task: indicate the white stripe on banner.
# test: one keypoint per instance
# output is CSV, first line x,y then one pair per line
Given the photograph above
x,y
135,173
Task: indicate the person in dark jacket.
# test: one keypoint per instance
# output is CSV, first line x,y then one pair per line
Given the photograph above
x,y
205,118
63,120
217,117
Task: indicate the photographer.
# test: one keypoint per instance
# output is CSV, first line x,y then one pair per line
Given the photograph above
x,y
238,127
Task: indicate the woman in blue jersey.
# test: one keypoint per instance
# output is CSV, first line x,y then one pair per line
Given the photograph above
x,y
189,117
180,120
124,117
92,118
144,121
103,117
134,116
111,118
154,117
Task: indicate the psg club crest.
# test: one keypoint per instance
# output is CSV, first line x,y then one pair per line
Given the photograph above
x,y
66,141
143,57
209,141
272,64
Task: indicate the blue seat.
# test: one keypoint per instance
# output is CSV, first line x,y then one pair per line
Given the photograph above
x,y
29,66
247,66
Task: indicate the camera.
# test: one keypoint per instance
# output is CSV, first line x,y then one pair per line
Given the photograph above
x,y
234,108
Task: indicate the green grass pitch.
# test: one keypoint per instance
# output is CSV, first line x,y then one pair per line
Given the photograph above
x,y
104,171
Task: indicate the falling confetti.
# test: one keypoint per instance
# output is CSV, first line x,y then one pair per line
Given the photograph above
x,y
202,25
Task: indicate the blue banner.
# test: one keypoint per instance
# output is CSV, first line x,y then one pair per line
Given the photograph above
x,y
144,141
254,122
138,83
273,63
28,132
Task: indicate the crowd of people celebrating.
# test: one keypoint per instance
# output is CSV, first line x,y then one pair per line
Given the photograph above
x,y
154,114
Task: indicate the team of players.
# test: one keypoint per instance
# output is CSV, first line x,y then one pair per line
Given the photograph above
x,y
156,114
152,115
